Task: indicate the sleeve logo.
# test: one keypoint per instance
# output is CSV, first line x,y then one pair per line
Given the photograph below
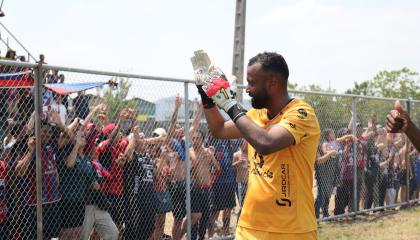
x,y
292,125
302,113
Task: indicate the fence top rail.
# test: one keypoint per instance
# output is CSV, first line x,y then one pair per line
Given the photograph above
x,y
18,64
344,95
350,95
96,72
169,79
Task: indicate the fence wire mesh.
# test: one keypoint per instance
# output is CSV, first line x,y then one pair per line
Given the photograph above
x,y
114,154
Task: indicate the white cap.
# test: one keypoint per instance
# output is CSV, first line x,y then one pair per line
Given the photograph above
x,y
160,132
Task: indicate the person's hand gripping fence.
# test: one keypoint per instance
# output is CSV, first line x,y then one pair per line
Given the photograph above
x,y
214,87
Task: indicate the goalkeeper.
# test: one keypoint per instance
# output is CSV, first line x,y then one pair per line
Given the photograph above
x,y
283,135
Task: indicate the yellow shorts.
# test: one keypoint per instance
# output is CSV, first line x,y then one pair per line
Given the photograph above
x,y
250,234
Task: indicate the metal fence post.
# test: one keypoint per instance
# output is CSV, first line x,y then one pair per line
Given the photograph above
x,y
38,112
407,161
354,122
187,159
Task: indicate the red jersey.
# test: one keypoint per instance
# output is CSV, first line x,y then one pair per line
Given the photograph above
x,y
91,135
107,157
50,178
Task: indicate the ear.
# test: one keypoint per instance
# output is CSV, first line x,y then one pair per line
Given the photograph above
x,y
273,82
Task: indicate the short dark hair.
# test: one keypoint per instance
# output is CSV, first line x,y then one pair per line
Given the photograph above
x,y
271,61
326,133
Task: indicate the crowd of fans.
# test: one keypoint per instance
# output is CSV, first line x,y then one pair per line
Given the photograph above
x,y
112,180
109,180
383,163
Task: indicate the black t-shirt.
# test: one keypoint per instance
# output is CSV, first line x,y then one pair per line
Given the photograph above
x,y
81,106
138,176
372,157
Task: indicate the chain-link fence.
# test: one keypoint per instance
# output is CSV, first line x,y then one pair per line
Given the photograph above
x,y
100,155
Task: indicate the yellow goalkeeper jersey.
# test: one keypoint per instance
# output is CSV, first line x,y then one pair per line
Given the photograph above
x,y
279,196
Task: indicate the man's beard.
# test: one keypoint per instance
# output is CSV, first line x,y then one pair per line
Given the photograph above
x,y
259,101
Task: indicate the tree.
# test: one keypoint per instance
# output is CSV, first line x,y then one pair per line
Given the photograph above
x,y
116,99
402,83
331,111
291,85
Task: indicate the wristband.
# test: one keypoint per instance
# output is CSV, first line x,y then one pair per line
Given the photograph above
x,y
236,112
205,100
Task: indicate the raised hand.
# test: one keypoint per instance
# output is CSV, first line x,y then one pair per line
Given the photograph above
x,y
136,133
178,101
397,119
101,107
217,87
131,114
201,63
214,87
333,153
54,117
31,144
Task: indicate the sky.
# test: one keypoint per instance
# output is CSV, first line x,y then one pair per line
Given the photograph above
x,y
325,42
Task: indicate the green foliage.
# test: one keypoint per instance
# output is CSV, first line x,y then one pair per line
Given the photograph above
x,y
116,99
292,85
331,111
402,83
316,88
363,89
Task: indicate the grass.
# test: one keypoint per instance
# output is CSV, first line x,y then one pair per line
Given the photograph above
x,y
402,224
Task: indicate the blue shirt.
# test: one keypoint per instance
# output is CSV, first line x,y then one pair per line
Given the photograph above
x,y
223,152
179,147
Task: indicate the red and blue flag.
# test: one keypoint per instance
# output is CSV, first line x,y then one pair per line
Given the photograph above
x,y
68,88
17,78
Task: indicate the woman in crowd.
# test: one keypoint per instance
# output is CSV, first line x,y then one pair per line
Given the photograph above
x,y
327,170
25,168
344,196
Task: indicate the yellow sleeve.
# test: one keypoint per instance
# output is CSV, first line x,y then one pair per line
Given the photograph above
x,y
300,121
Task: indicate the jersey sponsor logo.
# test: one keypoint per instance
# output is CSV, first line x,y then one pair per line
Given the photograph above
x,y
258,165
284,200
302,113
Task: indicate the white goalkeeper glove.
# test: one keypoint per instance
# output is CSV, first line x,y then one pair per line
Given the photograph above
x,y
215,85
201,63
